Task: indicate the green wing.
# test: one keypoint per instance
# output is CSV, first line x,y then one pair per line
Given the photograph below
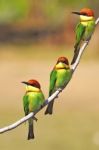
x,y
26,104
80,30
52,81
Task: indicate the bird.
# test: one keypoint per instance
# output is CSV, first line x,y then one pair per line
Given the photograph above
x,y
84,29
59,77
32,100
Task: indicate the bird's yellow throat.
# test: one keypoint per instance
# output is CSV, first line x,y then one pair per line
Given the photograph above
x,y
86,19
30,88
61,66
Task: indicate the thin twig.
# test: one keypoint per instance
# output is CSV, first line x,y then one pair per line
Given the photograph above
x,y
52,97
74,66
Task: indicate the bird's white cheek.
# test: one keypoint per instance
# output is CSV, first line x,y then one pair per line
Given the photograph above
x,y
85,18
31,88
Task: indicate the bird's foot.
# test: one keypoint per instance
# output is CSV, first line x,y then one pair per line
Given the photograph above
x,y
87,39
34,118
61,89
41,106
56,96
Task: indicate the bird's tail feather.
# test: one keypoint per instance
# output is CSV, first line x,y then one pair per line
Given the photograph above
x,y
49,109
76,52
30,132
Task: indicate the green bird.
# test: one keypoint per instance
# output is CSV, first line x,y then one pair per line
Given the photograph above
x,y
32,100
59,77
84,29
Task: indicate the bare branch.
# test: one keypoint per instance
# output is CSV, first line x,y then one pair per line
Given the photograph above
x,y
74,66
52,97
14,125
97,21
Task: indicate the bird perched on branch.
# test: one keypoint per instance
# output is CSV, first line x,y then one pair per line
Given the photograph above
x,y
32,100
59,77
84,29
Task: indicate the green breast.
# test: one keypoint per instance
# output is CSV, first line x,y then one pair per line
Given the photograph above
x,y
35,100
63,77
89,29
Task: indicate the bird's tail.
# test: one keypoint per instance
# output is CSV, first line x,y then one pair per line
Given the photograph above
x,y
49,109
76,52
30,132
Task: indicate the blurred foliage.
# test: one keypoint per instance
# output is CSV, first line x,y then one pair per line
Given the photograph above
x,y
56,11
53,11
66,3
95,6
28,19
10,10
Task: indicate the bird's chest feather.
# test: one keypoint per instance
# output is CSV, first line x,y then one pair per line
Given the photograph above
x,y
62,77
84,23
89,29
35,101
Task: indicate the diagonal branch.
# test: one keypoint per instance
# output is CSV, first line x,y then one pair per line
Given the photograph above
x,y
52,97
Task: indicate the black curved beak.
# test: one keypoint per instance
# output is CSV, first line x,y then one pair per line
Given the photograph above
x,y
25,82
77,13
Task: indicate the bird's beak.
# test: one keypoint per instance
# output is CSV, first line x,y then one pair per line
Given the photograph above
x,y
25,82
77,13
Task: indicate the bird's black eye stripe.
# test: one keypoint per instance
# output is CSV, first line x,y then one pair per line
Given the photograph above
x,y
84,14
